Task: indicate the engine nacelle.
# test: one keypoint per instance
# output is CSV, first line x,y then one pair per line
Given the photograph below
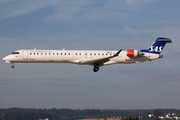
x,y
134,53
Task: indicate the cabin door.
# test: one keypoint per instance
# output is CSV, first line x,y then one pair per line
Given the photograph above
x,y
25,54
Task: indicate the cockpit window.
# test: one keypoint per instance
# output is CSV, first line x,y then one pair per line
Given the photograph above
x,y
15,53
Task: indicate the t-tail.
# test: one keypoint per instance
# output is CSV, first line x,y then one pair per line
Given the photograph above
x,y
157,46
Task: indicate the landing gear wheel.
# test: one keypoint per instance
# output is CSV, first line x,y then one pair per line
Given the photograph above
x,y
12,66
96,69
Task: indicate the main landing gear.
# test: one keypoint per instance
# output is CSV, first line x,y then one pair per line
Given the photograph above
x,y
96,68
12,65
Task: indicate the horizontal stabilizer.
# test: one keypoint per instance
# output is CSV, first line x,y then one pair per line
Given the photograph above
x,y
166,40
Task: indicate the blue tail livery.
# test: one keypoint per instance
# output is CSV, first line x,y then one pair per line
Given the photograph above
x,y
157,46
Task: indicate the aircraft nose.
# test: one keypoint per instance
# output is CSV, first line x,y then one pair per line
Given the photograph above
x,y
7,59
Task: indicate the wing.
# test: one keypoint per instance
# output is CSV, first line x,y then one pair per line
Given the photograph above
x,y
100,61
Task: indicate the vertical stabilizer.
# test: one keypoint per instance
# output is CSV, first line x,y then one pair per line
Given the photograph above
x,y
157,46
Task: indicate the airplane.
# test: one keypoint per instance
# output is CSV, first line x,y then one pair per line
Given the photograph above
x,y
94,58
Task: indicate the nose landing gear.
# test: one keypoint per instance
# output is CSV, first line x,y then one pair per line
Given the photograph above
x,y
12,65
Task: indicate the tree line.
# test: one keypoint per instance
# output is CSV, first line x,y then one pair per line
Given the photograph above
x,y
65,113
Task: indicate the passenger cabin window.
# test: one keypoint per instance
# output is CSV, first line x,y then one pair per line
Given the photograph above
x,y
15,53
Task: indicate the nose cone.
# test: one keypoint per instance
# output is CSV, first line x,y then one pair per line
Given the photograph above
x,y
7,59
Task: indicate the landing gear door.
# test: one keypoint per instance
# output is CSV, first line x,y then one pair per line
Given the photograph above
x,y
25,54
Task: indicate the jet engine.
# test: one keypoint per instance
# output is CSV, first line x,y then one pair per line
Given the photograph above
x,y
134,53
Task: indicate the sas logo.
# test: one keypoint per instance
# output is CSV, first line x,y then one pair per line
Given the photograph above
x,y
156,48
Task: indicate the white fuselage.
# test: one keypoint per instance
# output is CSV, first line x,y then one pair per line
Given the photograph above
x,y
75,57
95,58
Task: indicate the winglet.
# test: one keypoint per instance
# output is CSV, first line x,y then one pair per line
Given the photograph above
x,y
115,55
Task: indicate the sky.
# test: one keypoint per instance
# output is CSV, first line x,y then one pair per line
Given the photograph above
x,y
90,25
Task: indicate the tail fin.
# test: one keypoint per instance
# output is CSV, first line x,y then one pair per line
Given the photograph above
x,y
157,46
